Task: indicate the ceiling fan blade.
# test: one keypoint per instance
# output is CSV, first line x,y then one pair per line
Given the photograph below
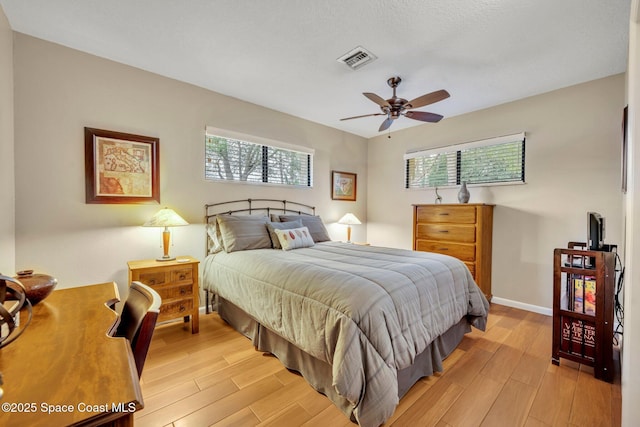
x,y
377,99
423,116
366,115
427,99
385,125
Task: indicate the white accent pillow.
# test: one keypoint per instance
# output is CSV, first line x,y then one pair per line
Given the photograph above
x,y
272,226
294,238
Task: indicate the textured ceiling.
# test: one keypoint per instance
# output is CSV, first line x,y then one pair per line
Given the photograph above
x,y
282,54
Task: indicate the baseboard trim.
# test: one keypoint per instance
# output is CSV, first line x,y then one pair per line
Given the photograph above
x,y
522,306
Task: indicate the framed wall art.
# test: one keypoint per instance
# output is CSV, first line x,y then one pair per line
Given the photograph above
x,y
121,168
343,186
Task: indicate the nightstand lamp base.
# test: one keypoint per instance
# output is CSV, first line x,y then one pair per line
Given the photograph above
x,y
165,218
166,236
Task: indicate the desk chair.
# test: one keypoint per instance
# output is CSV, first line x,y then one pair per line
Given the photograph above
x,y
138,319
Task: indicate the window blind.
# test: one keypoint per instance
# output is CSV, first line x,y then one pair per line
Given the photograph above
x,y
231,156
494,160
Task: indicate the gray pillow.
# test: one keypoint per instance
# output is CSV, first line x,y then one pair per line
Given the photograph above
x,y
273,226
244,232
313,222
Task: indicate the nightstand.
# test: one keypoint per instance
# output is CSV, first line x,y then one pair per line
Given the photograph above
x,y
177,283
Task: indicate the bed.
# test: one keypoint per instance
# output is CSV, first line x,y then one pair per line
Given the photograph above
x,y
361,323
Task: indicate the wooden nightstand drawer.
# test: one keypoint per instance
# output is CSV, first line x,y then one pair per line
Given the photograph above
x,y
175,309
153,278
177,284
175,292
182,275
447,232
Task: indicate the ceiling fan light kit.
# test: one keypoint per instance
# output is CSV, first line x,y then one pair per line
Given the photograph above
x,y
395,107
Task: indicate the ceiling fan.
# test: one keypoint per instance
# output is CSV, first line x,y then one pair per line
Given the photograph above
x,y
395,107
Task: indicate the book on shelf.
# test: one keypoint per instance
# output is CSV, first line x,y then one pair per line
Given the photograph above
x,y
578,337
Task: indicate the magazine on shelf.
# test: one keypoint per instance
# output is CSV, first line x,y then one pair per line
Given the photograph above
x,y
590,295
584,294
578,295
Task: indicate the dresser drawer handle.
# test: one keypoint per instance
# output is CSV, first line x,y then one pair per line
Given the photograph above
x,y
152,282
183,291
182,308
444,231
444,213
443,249
183,276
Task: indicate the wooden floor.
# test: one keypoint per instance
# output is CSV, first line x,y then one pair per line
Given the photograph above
x,y
501,377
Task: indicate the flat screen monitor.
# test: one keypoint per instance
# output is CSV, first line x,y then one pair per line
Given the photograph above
x,y
595,231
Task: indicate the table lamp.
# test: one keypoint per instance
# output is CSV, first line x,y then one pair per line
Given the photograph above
x,y
165,218
349,219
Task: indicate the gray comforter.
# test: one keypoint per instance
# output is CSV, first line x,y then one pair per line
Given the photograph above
x,y
367,311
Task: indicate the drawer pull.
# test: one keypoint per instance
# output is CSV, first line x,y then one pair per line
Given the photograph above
x,y
182,308
152,282
443,231
183,276
444,213
443,249
183,291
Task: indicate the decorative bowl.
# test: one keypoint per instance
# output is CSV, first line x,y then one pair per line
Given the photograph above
x,y
38,285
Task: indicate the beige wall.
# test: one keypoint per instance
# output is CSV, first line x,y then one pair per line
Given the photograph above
x,y
59,91
7,181
573,141
631,344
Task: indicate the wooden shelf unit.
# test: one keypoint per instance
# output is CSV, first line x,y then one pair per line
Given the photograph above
x,y
582,323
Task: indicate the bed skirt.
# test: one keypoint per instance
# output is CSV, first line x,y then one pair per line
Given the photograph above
x,y
318,373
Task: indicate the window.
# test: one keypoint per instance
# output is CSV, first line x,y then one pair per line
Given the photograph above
x,y
495,160
231,156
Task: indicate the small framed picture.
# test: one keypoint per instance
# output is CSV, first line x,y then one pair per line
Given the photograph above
x,y
121,168
343,186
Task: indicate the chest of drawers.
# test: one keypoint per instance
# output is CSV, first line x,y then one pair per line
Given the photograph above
x,y
463,231
177,284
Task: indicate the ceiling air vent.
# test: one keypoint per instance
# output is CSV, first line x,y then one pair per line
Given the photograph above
x,y
357,57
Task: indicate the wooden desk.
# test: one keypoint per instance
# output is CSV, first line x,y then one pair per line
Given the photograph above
x,y
66,362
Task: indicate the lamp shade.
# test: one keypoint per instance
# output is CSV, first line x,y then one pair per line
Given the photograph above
x,y
165,218
349,219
